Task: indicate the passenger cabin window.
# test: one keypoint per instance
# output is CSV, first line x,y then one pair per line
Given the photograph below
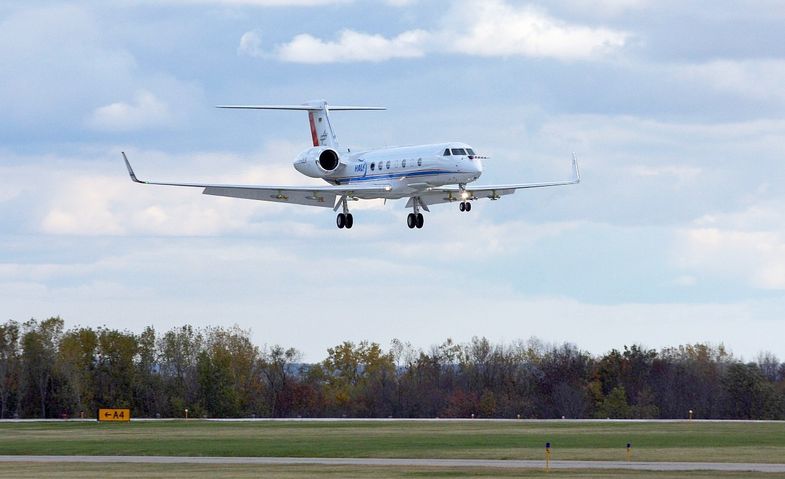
x,y
458,151
403,164
388,165
446,152
419,161
373,165
471,152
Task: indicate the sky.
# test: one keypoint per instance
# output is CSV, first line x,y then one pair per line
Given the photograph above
x,y
676,234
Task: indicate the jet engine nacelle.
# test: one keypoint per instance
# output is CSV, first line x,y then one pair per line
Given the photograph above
x,y
318,162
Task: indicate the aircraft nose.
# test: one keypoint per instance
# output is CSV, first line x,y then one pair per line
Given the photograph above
x,y
475,166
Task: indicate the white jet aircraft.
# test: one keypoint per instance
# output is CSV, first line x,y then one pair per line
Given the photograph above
x,y
425,174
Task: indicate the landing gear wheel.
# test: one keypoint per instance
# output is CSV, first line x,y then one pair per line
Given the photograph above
x,y
349,220
420,220
411,221
340,220
462,206
468,206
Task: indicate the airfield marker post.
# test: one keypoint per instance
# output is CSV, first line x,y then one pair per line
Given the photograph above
x,y
629,452
690,415
186,414
547,456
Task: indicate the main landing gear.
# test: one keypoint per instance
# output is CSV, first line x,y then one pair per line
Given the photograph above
x,y
416,219
465,206
345,219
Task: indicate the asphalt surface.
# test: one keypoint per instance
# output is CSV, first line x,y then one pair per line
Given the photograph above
x,y
455,463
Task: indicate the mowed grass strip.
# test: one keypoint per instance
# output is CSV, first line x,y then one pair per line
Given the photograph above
x,y
652,441
191,471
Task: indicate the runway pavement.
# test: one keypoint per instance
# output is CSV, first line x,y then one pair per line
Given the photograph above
x,y
454,463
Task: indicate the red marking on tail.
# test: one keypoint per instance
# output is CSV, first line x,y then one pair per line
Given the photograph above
x,y
313,129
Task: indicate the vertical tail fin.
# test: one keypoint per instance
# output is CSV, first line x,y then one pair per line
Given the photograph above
x,y
322,132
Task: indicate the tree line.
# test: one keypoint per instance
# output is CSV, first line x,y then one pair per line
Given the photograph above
x,y
47,371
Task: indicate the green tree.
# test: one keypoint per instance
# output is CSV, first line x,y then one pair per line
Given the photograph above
x,y
148,390
115,368
748,395
9,365
39,356
76,362
275,366
360,379
178,351
615,405
227,373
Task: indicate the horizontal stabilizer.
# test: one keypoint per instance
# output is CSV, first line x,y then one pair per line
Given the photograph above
x,y
302,107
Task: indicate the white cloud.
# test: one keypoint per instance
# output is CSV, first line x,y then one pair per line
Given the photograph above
x,y
748,244
681,173
758,257
497,239
86,201
606,8
146,111
495,28
353,46
251,45
472,27
754,79
60,62
424,305
54,62
685,280
254,3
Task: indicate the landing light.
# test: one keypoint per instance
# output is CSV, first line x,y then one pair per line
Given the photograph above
x,y
464,195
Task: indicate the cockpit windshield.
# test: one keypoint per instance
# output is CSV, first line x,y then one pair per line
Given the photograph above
x,y
458,151
446,152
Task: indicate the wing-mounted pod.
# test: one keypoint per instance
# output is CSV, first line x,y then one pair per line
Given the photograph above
x,y
320,162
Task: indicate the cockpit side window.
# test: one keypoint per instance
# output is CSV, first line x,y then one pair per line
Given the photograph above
x,y
470,151
446,152
458,151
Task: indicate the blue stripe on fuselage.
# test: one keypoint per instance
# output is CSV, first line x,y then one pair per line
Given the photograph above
x,y
341,181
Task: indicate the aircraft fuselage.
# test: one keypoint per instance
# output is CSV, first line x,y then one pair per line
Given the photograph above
x,y
406,169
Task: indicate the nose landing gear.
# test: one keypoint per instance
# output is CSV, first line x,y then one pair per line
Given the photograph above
x,y
465,205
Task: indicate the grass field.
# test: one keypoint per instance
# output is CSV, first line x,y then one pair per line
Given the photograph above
x,y
652,441
185,471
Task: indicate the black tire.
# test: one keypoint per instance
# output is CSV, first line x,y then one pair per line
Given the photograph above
x,y
420,220
462,206
349,220
411,221
468,206
340,220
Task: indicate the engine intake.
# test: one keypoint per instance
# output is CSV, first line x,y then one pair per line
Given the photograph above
x,y
329,160
318,162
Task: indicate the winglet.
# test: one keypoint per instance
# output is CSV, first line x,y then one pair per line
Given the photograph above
x,y
575,171
130,170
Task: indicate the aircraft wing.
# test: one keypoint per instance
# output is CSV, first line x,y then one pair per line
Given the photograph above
x,y
324,196
448,194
